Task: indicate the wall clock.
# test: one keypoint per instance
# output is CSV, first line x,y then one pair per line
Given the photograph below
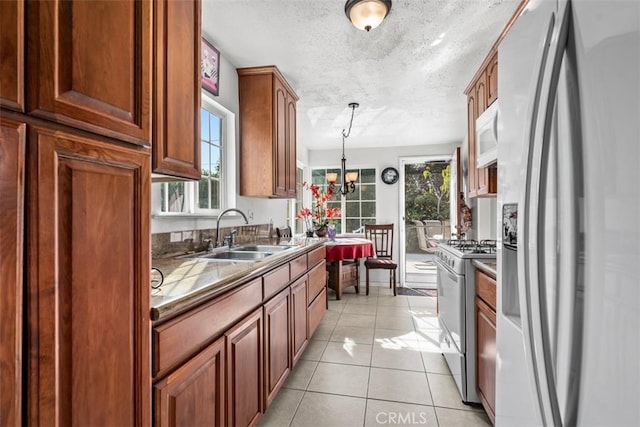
x,y
390,175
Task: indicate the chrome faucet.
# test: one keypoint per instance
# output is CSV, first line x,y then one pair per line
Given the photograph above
x,y
223,213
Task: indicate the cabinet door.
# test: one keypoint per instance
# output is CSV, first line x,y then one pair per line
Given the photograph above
x,y
90,65
244,371
12,162
193,395
298,317
12,52
280,154
492,79
315,312
176,112
486,356
88,281
291,147
471,126
277,353
487,181
481,94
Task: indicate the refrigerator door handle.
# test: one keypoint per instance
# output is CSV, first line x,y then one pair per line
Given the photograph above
x,y
536,329
571,242
528,270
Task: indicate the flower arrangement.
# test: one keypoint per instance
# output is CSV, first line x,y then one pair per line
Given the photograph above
x,y
321,215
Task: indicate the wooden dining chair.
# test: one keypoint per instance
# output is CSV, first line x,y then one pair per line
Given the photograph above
x,y
382,237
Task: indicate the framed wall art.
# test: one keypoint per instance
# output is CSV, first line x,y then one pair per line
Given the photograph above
x,y
210,68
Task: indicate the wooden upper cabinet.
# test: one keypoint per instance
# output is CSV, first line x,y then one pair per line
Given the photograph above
x,y
492,79
12,54
471,127
90,65
176,89
194,394
87,281
267,133
280,148
481,94
292,144
12,169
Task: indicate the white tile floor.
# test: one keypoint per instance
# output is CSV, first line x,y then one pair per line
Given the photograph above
x,y
374,360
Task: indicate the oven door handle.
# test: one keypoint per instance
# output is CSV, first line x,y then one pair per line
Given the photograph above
x,y
446,268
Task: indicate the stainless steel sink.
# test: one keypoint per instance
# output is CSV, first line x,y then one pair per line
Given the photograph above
x,y
262,248
248,253
236,256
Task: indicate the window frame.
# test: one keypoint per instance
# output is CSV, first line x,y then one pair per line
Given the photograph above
x,y
345,199
207,104
228,182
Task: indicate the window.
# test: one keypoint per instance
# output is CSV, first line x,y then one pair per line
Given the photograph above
x,y
358,208
212,193
209,187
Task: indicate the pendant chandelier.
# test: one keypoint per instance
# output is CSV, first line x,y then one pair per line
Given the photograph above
x,y
366,15
348,178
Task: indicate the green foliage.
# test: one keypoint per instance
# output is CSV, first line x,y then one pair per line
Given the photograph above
x,y
427,191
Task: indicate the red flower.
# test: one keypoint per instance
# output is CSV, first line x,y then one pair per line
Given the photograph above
x,y
322,215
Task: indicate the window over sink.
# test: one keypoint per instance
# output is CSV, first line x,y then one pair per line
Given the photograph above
x,y
216,189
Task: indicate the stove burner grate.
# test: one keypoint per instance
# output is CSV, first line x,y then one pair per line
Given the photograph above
x,y
473,246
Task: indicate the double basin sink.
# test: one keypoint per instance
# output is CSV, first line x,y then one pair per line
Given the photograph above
x,y
248,253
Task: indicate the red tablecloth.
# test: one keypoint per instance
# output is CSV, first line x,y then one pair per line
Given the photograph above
x,y
348,248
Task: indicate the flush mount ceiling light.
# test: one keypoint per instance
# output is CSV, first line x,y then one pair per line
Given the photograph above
x,y
367,14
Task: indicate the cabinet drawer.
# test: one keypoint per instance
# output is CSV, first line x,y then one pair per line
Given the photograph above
x,y
274,281
177,339
486,289
315,312
317,281
316,255
298,266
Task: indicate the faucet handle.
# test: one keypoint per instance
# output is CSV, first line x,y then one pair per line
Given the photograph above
x,y
228,240
209,244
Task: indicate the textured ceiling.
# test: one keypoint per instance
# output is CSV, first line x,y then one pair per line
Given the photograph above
x,y
408,74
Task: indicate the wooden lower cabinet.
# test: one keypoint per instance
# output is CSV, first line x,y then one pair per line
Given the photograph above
x,y
87,281
12,169
298,318
277,333
256,343
244,370
485,313
194,394
315,312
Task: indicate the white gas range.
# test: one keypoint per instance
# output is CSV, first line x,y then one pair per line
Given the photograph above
x,y
456,308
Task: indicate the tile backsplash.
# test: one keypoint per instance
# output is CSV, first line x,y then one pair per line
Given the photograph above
x,y
177,242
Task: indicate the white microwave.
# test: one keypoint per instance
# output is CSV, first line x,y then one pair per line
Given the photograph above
x,y
487,136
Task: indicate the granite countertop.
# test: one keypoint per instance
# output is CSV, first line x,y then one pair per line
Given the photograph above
x,y
486,266
190,281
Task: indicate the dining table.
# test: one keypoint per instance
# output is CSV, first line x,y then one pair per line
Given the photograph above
x,y
343,256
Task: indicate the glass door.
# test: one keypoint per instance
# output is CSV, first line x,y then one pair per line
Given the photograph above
x,y
425,217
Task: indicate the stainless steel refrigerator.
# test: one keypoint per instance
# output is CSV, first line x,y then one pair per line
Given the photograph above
x,y
568,320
